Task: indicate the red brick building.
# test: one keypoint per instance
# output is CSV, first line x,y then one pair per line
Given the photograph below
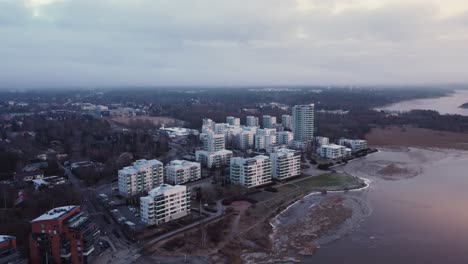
x,y
62,235
8,252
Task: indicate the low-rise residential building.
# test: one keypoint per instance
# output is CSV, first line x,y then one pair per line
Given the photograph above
x,y
302,145
213,159
29,176
49,182
333,151
251,172
142,176
285,163
319,141
164,204
354,144
63,235
182,171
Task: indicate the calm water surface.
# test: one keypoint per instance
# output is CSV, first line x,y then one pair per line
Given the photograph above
x,y
418,220
444,105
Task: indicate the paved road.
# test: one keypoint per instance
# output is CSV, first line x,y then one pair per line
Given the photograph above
x,y
88,204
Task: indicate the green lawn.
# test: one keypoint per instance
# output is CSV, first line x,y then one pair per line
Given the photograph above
x,y
330,181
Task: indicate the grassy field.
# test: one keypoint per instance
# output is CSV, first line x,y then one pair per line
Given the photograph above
x,y
330,181
290,192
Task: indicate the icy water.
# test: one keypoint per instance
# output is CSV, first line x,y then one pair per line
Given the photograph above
x,y
422,219
444,105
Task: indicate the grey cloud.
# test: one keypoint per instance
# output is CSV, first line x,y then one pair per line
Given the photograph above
x,y
214,42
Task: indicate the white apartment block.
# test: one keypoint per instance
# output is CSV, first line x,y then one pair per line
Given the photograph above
x,y
333,151
231,134
285,163
355,144
284,137
319,141
220,128
265,138
164,204
303,122
213,159
251,172
182,171
245,139
269,121
233,121
213,142
142,176
300,145
286,121
252,121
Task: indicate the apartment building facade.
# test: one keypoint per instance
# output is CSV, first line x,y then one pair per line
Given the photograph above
x,y
285,163
303,122
181,171
63,235
142,176
164,204
250,172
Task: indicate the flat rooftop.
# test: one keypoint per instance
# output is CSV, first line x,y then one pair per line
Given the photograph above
x,y
55,213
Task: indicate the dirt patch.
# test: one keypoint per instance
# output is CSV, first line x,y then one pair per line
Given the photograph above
x,y
289,242
416,137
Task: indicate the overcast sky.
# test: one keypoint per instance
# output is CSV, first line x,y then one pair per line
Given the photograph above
x,y
93,43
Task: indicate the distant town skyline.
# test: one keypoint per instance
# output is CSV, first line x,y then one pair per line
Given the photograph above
x,y
118,43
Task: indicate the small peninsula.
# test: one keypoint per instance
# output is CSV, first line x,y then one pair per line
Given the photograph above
x,y
465,105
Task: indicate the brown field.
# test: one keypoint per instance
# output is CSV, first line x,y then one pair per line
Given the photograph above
x,y
416,137
155,120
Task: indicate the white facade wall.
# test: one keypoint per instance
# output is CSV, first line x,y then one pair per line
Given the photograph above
x,y
164,204
284,137
246,139
319,141
269,121
285,163
142,176
332,151
252,121
213,159
286,121
182,171
250,172
213,142
303,122
354,144
233,121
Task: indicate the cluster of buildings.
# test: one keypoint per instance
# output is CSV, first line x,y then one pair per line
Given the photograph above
x,y
343,149
167,198
296,132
